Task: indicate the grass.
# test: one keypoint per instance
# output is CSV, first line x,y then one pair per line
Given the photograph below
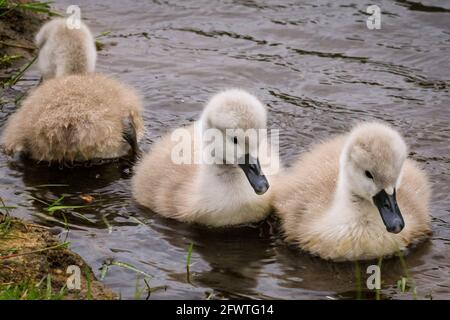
x,y
98,43
29,288
104,270
404,285
137,220
62,207
32,291
5,218
13,79
138,291
188,262
51,185
7,6
103,34
7,207
107,264
55,247
66,226
87,274
147,288
107,224
7,60
5,226
57,206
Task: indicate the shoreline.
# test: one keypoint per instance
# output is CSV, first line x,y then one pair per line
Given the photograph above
x,y
33,263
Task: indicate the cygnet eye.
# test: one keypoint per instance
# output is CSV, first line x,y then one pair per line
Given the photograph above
x,y
368,174
235,140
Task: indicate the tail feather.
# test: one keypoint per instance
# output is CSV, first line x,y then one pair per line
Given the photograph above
x,y
130,136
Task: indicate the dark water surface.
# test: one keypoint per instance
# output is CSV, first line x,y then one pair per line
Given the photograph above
x,y
319,69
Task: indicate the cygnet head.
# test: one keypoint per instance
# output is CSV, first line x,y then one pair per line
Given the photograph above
x,y
66,46
237,116
371,164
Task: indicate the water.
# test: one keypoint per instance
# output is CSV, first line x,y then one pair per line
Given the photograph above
x,y
319,69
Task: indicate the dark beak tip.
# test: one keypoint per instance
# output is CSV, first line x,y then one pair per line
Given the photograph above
x,y
389,211
261,187
396,228
261,191
255,176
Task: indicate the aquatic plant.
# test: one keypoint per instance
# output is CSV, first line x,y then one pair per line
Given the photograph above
x,y
7,6
99,45
32,291
188,262
14,78
405,284
7,60
108,263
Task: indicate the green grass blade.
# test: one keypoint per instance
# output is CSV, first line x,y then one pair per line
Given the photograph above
x,y
8,207
130,267
88,283
19,75
82,216
104,271
56,208
107,224
51,185
188,262
48,292
57,201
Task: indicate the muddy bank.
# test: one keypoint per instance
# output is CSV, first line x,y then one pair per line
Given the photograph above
x,y
17,48
29,253
319,69
17,30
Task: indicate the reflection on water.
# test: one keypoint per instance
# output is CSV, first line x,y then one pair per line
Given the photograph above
x,y
319,69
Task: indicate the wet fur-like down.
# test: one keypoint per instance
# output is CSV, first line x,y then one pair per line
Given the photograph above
x,y
64,51
74,118
323,215
214,195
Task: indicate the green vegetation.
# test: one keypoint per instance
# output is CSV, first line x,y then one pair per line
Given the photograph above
x,y
88,277
12,9
13,79
7,6
7,60
106,222
404,285
147,288
98,43
63,245
5,219
32,291
188,262
138,292
57,206
107,264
